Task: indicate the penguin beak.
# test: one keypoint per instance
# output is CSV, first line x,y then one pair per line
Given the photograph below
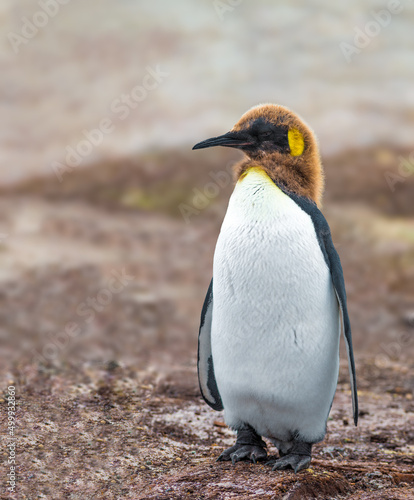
x,y
231,140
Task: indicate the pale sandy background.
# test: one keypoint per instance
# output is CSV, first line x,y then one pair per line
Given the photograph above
x,y
91,52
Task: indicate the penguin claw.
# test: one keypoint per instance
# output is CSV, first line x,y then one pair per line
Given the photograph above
x,y
293,461
241,452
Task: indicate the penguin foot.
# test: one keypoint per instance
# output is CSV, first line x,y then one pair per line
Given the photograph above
x,y
298,458
296,462
240,452
249,445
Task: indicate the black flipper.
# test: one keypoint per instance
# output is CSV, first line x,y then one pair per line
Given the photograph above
x,y
331,256
206,378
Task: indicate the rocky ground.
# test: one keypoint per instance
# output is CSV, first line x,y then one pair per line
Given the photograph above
x,y
101,284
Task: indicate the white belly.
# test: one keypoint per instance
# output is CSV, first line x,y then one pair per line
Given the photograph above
x,y
276,324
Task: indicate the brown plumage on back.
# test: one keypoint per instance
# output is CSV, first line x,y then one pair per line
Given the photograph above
x,y
277,140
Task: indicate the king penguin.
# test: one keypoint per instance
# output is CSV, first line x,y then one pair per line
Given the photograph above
x,y
268,350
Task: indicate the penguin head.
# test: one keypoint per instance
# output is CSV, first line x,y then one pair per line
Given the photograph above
x,y
278,141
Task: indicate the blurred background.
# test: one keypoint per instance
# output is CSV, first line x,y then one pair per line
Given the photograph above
x,y
101,103
108,220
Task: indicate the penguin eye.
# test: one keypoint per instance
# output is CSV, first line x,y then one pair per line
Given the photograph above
x,y
266,134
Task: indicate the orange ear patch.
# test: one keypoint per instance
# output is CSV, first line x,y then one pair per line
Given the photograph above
x,y
296,142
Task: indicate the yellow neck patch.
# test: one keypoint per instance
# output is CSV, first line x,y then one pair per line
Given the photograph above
x,y
296,142
259,174
257,169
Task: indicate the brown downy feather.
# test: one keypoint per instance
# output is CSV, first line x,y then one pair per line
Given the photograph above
x,y
302,174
